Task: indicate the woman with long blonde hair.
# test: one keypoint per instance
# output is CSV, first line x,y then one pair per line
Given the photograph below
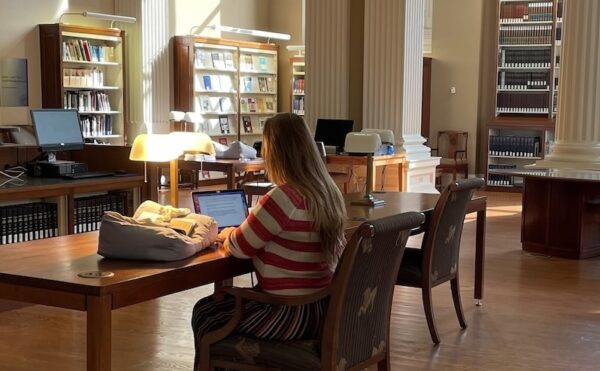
x,y
294,237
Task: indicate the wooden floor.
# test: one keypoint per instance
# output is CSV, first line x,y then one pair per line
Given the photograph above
x,y
539,313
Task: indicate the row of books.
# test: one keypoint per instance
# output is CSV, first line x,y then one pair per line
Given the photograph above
x,y
89,210
248,122
215,104
95,125
257,63
27,222
500,179
514,146
86,100
216,59
535,34
518,102
522,80
265,84
525,58
83,51
298,86
298,105
83,77
218,83
522,12
258,105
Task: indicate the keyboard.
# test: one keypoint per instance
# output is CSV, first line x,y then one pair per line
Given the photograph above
x,y
89,174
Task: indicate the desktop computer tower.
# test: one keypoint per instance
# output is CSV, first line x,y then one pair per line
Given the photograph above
x,y
55,169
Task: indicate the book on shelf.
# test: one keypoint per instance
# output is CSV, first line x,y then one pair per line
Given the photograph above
x,y
199,58
262,64
218,60
223,140
204,103
501,179
248,65
251,104
262,84
260,104
247,124
225,104
244,104
261,122
514,146
224,124
247,83
269,104
207,82
225,83
229,61
271,86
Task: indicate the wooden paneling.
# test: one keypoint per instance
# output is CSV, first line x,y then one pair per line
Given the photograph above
x,y
426,103
183,71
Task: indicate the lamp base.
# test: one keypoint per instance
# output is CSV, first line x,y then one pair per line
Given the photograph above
x,y
368,200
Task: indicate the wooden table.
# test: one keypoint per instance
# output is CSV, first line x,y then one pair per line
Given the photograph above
x,y
65,191
46,271
229,167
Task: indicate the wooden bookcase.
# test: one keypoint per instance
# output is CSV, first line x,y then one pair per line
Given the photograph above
x,y
83,68
230,85
528,57
297,88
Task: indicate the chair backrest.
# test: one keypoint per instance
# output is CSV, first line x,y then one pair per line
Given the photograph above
x,y
450,141
357,323
442,238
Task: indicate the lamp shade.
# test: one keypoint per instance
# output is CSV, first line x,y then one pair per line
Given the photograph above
x,y
386,135
193,142
176,116
363,143
155,148
192,117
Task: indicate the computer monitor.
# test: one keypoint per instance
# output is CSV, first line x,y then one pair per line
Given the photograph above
x,y
57,129
332,132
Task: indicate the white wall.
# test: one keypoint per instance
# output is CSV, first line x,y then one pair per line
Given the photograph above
x,y
19,38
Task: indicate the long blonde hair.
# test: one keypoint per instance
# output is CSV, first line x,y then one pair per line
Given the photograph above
x,y
291,157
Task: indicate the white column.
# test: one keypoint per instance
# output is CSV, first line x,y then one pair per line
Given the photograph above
x,y
327,64
147,65
393,70
577,136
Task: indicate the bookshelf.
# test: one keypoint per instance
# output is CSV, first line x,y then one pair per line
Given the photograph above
x,y
83,68
298,72
231,85
527,73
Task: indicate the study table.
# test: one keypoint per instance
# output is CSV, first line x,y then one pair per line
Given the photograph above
x,y
46,271
231,167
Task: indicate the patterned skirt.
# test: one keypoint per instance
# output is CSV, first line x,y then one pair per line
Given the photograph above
x,y
262,321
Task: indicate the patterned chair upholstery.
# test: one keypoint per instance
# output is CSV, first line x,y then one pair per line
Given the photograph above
x,y
356,328
437,260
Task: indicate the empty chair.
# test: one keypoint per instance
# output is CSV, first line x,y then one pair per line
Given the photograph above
x,y
436,261
356,327
452,148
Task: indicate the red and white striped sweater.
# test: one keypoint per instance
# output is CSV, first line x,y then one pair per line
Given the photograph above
x,y
285,248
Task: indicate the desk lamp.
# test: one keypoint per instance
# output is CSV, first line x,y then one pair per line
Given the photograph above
x,y
156,148
365,144
186,142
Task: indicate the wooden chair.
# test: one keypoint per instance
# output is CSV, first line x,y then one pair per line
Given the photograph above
x,y
437,260
452,148
356,327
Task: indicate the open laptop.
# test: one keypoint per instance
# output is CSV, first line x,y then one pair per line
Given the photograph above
x,y
228,207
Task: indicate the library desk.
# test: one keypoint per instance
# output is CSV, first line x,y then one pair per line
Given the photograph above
x,y
65,191
46,271
561,212
229,167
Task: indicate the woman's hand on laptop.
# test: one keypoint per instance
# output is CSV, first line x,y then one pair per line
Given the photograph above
x,y
224,234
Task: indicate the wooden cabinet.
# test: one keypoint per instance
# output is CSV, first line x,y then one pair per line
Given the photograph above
x,y
83,68
230,86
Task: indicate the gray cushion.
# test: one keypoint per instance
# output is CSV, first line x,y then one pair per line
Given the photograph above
x,y
235,151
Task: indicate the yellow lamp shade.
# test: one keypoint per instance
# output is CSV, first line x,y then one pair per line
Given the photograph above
x,y
155,148
193,142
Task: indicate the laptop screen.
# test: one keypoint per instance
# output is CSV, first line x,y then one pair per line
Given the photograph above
x,y
227,207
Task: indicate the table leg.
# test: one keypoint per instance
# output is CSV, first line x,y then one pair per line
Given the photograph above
x,y
98,332
230,177
479,256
